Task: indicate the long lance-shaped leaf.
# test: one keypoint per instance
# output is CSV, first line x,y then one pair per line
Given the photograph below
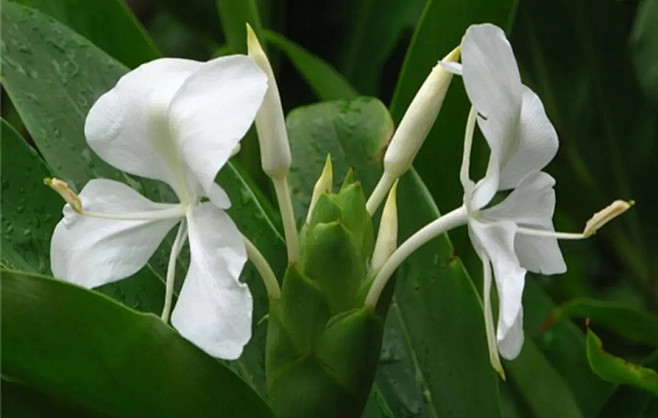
x,y
87,350
109,24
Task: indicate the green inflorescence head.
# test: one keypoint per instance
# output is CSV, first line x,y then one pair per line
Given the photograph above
x,y
323,344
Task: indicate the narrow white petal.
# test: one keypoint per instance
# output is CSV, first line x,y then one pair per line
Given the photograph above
x,y
511,341
90,251
451,66
213,110
532,205
493,84
127,126
537,144
214,308
492,345
497,242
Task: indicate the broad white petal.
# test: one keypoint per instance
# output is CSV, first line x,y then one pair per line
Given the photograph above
x,y
497,242
214,308
540,254
511,341
91,252
532,205
493,84
213,110
128,128
537,143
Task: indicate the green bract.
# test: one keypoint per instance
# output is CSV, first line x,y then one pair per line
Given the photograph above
x,y
322,344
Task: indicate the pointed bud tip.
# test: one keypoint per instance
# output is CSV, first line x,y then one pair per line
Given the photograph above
x,y
602,217
322,185
387,236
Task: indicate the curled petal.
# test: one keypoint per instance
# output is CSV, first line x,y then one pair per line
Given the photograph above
x,y
212,111
497,242
128,127
90,251
511,341
214,308
537,144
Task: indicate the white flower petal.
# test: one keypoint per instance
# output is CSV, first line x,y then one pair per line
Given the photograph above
x,y
493,84
91,252
128,128
532,205
451,66
540,254
214,308
537,143
497,242
213,110
511,341
485,189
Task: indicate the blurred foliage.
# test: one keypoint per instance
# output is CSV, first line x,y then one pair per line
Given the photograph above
x,y
594,64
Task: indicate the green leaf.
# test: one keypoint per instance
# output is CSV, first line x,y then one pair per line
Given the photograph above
x,y
81,347
632,402
374,30
107,23
563,346
435,336
617,370
20,401
234,16
540,385
623,320
53,76
30,212
28,216
644,47
324,80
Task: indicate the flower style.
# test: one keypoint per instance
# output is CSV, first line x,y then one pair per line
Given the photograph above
x,y
177,121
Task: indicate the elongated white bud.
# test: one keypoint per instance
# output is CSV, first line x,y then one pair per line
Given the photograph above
x,y
419,119
414,127
270,124
387,237
65,191
604,216
323,185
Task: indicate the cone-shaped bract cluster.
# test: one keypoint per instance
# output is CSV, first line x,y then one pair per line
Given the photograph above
x,y
323,345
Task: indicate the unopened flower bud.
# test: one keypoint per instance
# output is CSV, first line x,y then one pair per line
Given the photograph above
x,y
65,191
270,124
387,237
323,185
419,119
604,216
